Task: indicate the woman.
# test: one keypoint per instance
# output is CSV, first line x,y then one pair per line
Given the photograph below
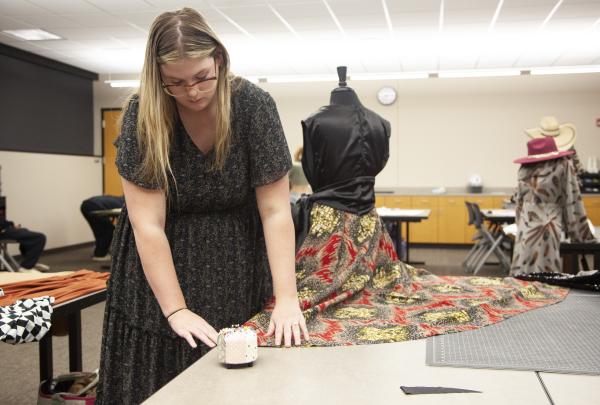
x,y
203,161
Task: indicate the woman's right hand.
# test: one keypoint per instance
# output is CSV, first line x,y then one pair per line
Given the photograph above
x,y
189,325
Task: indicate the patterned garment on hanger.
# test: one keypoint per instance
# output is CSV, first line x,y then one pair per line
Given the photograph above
x,y
549,205
354,290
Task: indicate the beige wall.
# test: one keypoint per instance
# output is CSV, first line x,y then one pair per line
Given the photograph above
x,y
44,192
444,130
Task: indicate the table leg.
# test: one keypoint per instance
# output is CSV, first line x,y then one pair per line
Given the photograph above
x,y
74,325
407,242
408,246
46,356
399,239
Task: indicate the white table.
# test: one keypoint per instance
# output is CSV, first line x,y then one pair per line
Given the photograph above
x,y
361,375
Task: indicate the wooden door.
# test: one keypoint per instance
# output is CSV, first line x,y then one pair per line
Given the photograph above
x,y
110,132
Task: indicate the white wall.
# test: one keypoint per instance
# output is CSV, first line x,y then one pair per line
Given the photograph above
x,y
443,130
44,192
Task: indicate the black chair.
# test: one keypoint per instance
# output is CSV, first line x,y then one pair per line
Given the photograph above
x,y
487,241
7,262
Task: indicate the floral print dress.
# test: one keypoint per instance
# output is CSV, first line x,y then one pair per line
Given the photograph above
x,y
549,205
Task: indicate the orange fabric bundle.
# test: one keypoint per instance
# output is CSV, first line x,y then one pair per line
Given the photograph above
x,y
62,288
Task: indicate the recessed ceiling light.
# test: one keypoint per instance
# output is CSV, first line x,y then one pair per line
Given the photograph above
x,y
302,78
479,73
558,70
389,76
32,35
123,83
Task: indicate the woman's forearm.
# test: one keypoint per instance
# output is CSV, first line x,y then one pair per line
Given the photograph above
x,y
157,262
279,237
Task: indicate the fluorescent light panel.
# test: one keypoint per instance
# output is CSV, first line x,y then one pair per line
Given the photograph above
x,y
559,70
479,73
390,76
32,34
123,83
302,78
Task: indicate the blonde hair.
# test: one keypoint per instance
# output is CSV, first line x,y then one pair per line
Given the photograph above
x,y
173,36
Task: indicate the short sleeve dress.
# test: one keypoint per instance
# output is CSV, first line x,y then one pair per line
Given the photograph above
x,y
216,239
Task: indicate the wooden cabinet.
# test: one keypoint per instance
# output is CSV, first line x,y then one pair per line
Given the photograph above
x,y
592,208
448,221
452,219
425,231
396,201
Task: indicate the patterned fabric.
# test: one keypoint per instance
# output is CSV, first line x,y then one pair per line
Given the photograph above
x,y
217,243
549,205
26,320
353,290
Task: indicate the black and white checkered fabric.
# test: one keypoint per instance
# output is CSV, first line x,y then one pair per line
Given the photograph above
x,y
26,320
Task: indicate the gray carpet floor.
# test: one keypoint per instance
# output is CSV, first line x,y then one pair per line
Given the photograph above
x,y
20,364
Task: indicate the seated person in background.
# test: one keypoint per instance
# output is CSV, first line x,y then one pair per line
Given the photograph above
x,y
102,226
31,245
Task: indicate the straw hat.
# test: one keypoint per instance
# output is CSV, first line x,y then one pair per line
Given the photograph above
x,y
564,134
542,149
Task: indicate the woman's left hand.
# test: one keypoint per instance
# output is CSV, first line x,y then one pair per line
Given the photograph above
x,y
287,321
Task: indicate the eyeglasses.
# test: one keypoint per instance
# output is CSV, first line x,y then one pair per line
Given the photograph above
x,y
202,86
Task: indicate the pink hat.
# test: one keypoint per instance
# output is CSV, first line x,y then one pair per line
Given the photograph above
x,y
541,149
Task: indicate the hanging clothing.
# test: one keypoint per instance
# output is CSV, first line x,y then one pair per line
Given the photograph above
x,y
549,205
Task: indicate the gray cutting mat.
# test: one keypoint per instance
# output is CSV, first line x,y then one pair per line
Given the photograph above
x,y
561,338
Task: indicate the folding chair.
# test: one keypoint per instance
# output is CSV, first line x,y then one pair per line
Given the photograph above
x,y
477,246
7,262
487,241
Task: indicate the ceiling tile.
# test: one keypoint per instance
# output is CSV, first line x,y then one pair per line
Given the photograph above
x,y
95,20
9,23
12,8
64,6
46,23
255,19
117,7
